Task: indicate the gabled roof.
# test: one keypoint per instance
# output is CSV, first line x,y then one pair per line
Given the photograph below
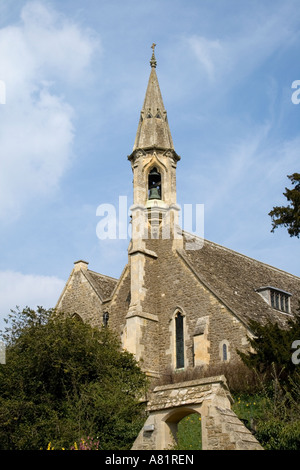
x,y
103,285
234,278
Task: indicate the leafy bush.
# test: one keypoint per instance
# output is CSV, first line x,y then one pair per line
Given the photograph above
x,y
275,434
278,421
64,380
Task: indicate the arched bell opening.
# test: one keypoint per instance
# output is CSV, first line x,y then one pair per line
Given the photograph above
x,y
154,184
185,427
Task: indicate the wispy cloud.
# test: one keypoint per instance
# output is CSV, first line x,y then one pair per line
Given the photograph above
x,y
246,47
37,123
208,53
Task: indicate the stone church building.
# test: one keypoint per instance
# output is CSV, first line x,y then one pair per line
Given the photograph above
x,y
180,302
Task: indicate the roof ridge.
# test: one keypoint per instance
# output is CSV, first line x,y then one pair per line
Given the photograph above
x,y
103,275
90,281
242,255
88,275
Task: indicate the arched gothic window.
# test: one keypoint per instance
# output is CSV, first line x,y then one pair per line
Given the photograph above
x,y
105,319
179,340
224,352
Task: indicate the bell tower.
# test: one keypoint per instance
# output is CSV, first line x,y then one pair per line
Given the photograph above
x,y
153,161
154,216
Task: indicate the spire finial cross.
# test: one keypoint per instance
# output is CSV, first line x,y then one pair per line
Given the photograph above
x,y
153,60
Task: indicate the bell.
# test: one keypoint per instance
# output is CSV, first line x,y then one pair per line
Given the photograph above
x,y
154,184
154,193
154,175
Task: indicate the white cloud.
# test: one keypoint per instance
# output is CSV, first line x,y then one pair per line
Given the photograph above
x,y
59,46
22,290
36,147
36,123
247,46
256,171
208,53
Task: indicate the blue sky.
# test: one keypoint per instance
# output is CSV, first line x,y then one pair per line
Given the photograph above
x,y
75,75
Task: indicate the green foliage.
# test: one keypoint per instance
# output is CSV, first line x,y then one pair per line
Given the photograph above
x,y
274,421
250,408
289,216
64,380
275,417
272,345
189,436
275,434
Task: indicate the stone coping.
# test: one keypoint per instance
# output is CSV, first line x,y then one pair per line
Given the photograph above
x,y
193,383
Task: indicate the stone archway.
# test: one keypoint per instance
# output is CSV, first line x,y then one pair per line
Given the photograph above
x,y
174,418
210,397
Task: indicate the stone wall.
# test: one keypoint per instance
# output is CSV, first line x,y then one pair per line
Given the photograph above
x,y
118,306
224,431
170,286
80,298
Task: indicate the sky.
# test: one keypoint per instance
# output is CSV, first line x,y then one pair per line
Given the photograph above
x,y
73,76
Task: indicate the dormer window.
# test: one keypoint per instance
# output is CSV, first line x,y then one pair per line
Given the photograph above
x,y
280,300
276,298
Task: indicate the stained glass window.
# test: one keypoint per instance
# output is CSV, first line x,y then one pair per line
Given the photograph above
x,y
224,352
179,341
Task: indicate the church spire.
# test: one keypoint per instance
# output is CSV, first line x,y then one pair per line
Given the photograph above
x,y
153,129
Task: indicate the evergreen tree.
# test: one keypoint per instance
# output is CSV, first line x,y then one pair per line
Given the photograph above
x,y
272,348
289,216
277,420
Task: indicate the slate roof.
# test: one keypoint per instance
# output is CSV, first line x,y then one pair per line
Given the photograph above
x,y
103,285
234,277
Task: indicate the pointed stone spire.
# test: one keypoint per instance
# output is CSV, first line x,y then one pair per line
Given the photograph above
x,y
153,129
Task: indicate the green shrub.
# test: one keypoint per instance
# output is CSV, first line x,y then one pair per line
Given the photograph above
x,y
64,380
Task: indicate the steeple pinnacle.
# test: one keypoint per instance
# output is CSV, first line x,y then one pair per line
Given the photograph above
x,y
153,62
153,129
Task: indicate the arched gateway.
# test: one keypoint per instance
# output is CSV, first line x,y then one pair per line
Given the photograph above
x,y
210,397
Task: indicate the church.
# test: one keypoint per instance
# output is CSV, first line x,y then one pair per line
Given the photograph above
x,y
181,302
